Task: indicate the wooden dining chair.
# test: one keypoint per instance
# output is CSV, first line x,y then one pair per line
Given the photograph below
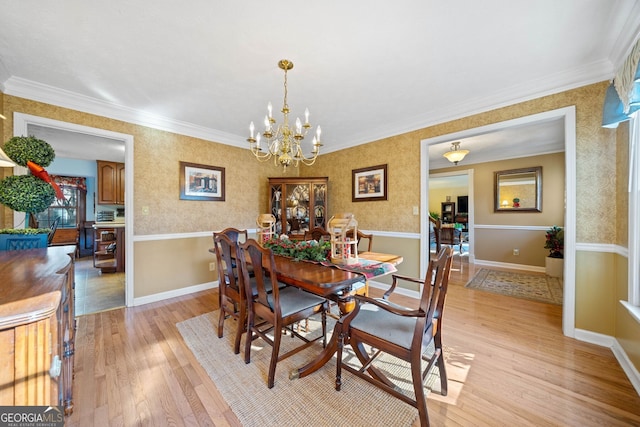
x,y
434,234
318,234
361,238
404,333
280,308
232,296
234,234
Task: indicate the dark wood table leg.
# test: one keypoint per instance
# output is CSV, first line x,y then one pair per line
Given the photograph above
x,y
346,303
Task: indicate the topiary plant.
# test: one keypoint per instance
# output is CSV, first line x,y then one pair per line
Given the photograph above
x,y
23,149
28,193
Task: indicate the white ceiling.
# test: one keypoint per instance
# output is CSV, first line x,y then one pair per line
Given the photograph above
x,y
366,69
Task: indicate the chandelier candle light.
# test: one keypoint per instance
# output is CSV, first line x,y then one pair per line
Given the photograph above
x,y
283,142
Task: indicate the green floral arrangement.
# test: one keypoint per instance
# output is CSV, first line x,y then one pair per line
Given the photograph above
x,y
299,250
28,231
555,242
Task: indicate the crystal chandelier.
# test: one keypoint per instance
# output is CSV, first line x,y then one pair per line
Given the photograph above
x,y
456,154
283,142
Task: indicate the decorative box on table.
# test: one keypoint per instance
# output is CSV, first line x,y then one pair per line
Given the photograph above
x,y
266,227
12,242
344,250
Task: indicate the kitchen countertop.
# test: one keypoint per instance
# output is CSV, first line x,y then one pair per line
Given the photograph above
x,y
108,224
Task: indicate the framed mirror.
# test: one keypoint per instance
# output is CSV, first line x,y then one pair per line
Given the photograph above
x,y
518,190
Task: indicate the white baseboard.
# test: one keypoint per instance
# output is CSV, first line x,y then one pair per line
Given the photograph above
x,y
595,338
619,353
402,291
627,366
534,268
174,293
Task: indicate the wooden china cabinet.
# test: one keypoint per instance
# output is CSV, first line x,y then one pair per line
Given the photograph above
x,y
299,204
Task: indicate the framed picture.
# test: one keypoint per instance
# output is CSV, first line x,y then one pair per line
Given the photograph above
x,y
369,184
201,182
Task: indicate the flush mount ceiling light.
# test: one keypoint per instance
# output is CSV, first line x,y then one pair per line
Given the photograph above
x,y
283,142
456,154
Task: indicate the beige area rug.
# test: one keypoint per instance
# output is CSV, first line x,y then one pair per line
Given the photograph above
x,y
312,400
536,287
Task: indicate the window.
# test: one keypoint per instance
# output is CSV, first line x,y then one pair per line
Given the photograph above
x,y
633,302
71,209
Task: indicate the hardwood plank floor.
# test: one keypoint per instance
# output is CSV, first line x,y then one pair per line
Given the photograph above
x,y
96,291
508,364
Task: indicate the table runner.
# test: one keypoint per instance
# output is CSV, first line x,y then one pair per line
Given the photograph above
x,y
366,267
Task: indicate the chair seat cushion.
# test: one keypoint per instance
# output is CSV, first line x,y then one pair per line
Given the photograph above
x,y
293,300
390,327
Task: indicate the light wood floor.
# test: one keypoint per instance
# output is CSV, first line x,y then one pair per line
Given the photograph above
x,y
508,364
97,291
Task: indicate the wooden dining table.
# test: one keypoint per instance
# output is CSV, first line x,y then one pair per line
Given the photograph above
x,y
332,282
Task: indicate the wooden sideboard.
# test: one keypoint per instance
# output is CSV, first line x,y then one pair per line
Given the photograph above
x,y
37,327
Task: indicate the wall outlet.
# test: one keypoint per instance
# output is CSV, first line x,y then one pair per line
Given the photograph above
x,y
416,211
212,266
516,251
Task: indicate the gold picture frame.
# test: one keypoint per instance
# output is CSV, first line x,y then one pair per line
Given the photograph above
x,y
369,184
201,182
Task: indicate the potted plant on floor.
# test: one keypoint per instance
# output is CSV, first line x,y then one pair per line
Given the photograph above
x,y
27,193
554,241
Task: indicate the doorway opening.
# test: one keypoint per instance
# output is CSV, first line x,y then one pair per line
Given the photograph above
x,y
25,124
567,117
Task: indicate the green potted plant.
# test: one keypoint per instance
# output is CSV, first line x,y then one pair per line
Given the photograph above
x,y
554,241
27,193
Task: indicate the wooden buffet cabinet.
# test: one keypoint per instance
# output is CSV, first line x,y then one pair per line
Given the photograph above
x,y
37,327
299,203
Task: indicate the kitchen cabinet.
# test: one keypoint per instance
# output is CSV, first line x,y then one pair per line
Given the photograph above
x,y
110,183
299,204
37,327
106,259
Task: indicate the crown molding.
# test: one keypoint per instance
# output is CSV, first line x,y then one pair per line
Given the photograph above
x,y
16,86
559,82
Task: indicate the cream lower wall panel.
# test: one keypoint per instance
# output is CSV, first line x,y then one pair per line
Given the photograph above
x,y
167,265
408,248
628,335
596,292
497,245
626,326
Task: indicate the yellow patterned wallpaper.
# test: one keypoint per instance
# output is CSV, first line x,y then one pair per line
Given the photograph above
x,y
156,173
595,163
622,188
157,154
